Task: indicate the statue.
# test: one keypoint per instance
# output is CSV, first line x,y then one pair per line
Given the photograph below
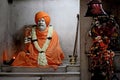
x,y
42,48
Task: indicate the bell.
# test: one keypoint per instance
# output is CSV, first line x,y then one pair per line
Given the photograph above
x,y
95,9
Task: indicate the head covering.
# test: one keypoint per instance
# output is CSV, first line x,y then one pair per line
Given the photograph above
x,y
44,15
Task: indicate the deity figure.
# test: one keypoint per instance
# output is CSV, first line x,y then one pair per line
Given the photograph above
x,y
42,47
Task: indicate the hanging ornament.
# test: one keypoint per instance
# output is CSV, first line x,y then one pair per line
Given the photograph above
x,y
95,9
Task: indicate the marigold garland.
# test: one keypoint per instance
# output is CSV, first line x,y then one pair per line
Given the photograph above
x,y
41,55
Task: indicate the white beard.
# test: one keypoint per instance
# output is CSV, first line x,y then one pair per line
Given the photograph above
x,y
42,27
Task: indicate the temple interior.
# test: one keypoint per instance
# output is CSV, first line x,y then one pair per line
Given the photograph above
x,y
74,29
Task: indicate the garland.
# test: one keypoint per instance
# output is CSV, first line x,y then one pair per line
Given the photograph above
x,y
41,55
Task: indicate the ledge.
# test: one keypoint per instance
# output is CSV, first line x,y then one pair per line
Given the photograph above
x,y
62,68
37,74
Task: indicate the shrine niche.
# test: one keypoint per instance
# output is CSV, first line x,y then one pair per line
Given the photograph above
x,y
21,32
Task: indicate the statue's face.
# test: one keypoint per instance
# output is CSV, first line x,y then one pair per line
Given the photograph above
x,y
42,24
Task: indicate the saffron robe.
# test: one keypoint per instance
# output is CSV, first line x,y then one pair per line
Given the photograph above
x,y
29,57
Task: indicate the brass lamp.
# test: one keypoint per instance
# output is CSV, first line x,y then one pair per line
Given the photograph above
x,y
95,9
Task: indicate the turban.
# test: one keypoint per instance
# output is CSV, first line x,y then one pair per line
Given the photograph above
x,y
44,15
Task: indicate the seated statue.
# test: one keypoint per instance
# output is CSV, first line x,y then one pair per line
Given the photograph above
x,y
42,48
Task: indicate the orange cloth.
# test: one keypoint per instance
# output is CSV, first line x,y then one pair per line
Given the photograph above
x,y
54,53
44,15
